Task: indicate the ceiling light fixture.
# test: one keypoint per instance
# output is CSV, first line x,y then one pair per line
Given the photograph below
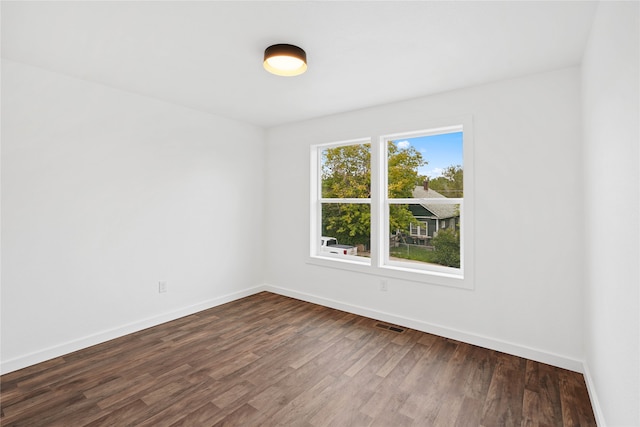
x,y
285,60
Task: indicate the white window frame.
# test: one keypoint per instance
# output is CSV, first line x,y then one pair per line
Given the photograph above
x,y
442,224
317,200
379,263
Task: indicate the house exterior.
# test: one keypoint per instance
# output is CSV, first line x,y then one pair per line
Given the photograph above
x,y
432,217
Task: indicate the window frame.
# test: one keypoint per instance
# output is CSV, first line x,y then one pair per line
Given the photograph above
x,y
388,201
317,201
379,264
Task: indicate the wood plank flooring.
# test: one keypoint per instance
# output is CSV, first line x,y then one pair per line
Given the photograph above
x,y
269,360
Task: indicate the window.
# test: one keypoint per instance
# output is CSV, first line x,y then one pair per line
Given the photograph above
x,y
343,211
424,180
396,205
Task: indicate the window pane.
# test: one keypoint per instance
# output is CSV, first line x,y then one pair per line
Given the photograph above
x,y
346,171
425,166
425,233
346,229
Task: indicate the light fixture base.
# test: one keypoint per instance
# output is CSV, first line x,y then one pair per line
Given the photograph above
x,y
285,60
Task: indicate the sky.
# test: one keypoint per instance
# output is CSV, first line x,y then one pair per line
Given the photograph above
x,y
440,151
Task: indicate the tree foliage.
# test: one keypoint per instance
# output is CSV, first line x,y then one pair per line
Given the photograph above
x,y
346,173
450,183
403,170
447,247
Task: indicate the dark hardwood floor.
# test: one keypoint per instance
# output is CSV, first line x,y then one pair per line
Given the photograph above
x,y
269,360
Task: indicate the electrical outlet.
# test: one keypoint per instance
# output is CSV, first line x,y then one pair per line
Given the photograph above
x,y
384,286
162,286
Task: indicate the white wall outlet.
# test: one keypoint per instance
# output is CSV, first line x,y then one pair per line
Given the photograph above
x,y
384,286
162,286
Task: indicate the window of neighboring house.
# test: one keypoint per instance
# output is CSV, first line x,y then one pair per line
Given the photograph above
x,y
386,200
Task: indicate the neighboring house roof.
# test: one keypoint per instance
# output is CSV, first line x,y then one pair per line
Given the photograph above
x,y
439,211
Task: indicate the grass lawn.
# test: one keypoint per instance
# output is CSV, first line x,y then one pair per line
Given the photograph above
x,y
414,253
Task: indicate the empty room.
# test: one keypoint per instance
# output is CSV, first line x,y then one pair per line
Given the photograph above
x,y
320,213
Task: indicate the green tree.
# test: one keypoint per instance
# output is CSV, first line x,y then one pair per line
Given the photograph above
x,y
450,183
447,247
403,170
403,164
346,173
349,223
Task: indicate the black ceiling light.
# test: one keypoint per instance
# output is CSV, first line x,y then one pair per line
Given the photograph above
x,y
285,60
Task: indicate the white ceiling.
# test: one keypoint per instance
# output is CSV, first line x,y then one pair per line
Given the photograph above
x,y
208,55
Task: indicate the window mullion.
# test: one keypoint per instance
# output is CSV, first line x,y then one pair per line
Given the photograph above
x,y
378,185
437,201
345,200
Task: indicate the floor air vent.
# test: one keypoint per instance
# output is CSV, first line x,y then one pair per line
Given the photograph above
x,y
389,328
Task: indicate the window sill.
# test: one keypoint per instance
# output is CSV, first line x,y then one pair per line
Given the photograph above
x,y
394,272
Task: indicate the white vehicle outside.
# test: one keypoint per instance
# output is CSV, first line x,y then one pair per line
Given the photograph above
x,y
330,245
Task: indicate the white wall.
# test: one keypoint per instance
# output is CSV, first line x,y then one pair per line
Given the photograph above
x,y
105,193
612,203
529,243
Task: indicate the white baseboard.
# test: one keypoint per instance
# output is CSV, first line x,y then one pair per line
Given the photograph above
x,y
591,388
443,331
482,341
100,337
470,338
